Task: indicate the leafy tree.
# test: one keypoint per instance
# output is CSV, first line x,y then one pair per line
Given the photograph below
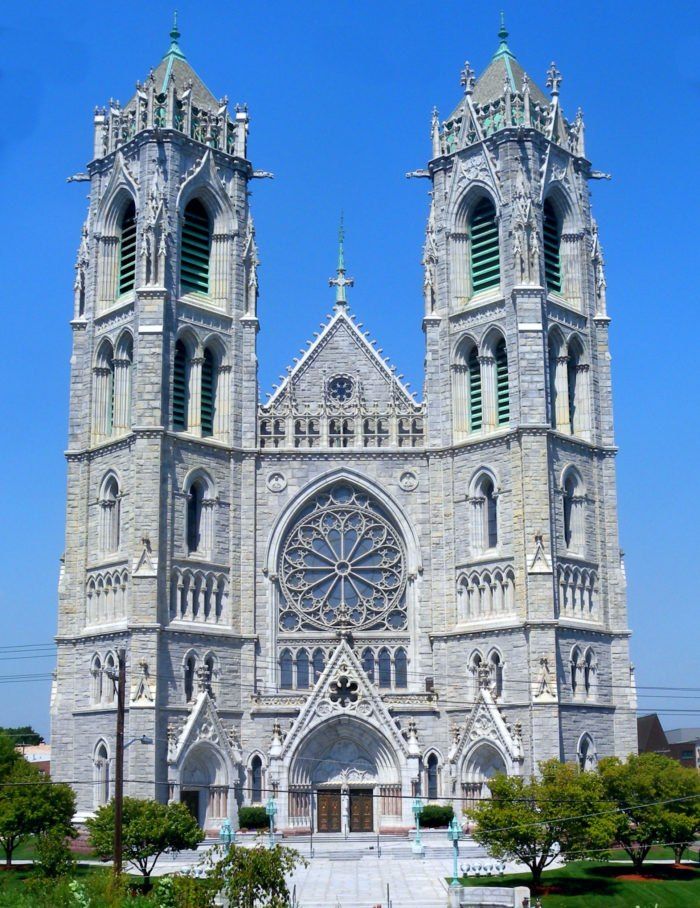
x,y
256,877
536,820
30,804
637,787
149,829
55,857
8,755
22,734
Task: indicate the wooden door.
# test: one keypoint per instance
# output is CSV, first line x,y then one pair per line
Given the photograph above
x,y
329,819
361,815
191,801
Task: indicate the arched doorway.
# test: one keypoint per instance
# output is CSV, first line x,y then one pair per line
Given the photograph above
x,y
204,785
344,777
480,765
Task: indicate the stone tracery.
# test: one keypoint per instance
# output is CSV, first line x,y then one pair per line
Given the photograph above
x,y
343,565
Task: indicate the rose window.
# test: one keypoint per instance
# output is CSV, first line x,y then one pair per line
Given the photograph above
x,y
340,388
342,565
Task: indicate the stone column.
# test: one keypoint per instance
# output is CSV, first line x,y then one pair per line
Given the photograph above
x,y
223,402
489,416
561,395
460,403
583,402
122,395
194,409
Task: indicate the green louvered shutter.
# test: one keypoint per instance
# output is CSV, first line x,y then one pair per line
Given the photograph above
x,y
195,249
485,256
552,242
475,410
208,394
180,388
127,250
502,395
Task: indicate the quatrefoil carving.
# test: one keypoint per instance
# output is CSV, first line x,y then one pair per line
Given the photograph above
x,y
343,691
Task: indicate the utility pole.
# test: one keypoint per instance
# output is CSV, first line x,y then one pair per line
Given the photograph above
x,y
119,780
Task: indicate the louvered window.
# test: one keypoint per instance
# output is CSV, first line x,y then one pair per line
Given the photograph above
x,y
180,388
502,395
208,392
475,410
127,250
552,243
485,258
195,249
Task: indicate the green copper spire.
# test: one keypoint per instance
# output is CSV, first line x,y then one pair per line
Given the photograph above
x,y
174,49
503,49
340,281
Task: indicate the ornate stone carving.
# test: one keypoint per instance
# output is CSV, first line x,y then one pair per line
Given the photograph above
x,y
526,244
408,481
276,481
143,692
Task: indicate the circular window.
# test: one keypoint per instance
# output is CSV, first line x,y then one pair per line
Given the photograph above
x,y
342,564
340,388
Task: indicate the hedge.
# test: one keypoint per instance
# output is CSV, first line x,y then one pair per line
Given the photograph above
x,y
253,818
435,816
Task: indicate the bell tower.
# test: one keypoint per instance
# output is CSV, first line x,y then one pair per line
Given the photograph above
x,y
518,380
163,389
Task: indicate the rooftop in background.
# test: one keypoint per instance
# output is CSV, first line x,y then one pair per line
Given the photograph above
x,y
681,735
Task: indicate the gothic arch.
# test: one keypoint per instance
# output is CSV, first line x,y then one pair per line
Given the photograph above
x,y
467,202
205,184
121,189
490,340
586,752
564,206
401,520
199,473
191,341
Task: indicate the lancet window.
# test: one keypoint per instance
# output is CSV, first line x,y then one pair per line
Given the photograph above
x,y
552,247
484,252
573,499
195,249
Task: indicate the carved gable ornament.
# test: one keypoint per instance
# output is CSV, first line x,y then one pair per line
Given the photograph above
x,y
486,723
202,724
344,690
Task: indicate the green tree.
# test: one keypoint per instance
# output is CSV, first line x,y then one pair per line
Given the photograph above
x,y
256,877
559,813
8,755
149,829
22,734
30,804
658,801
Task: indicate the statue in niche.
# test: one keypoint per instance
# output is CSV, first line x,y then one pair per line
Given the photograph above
x,y
526,245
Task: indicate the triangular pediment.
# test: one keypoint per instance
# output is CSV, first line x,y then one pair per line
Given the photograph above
x,y
202,724
486,723
344,690
340,348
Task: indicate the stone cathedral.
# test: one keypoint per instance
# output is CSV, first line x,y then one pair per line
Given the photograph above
x,y
343,597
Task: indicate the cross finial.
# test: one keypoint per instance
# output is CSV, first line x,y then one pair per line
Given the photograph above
x,y
340,281
467,78
503,31
174,31
553,79
174,49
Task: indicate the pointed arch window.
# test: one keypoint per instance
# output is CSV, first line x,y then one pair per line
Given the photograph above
x,y
102,780
127,250
384,666
319,663
368,662
400,668
195,250
575,667
208,392
199,517
189,669
485,263
432,773
302,669
589,672
110,516
485,514
96,672
109,692
573,504
502,391
286,670
103,402
496,669
256,780
552,247
180,389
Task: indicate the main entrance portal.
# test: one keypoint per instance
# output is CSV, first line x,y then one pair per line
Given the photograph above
x,y
331,805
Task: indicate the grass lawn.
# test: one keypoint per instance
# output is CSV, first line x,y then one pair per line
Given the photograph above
x,y
657,853
586,883
25,851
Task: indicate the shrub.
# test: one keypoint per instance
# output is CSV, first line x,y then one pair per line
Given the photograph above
x,y
435,816
253,818
54,856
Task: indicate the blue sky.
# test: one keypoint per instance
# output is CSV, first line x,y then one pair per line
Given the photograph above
x,y
340,97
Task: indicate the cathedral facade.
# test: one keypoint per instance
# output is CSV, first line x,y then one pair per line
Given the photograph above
x,y
344,597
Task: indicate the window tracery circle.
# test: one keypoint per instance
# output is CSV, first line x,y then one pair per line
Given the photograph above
x,y
342,564
341,388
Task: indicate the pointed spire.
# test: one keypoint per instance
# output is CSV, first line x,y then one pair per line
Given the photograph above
x,y
503,49
174,49
340,282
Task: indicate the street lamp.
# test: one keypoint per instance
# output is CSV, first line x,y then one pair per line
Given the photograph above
x,y
417,808
454,834
271,810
